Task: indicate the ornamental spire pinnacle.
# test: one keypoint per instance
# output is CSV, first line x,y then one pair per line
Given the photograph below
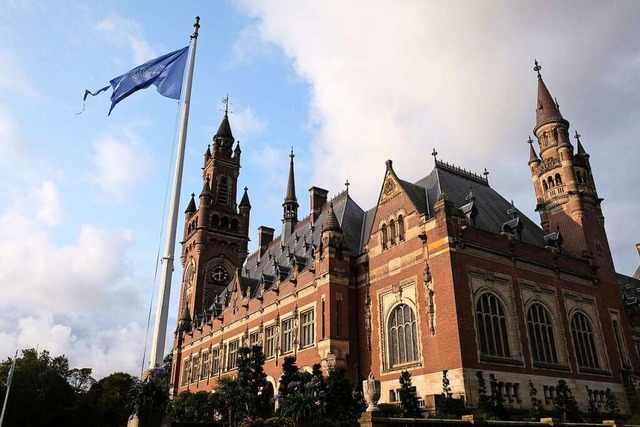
x,y
547,108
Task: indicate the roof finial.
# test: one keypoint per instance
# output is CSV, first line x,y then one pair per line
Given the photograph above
x,y
530,141
226,103
537,68
196,27
486,175
577,136
347,184
292,155
434,153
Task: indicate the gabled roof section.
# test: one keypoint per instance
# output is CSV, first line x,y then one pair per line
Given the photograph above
x,y
492,207
416,194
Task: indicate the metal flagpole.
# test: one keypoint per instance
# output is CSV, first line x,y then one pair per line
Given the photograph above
x,y
6,396
160,328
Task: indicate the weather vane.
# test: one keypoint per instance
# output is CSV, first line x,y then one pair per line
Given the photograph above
x,y
226,103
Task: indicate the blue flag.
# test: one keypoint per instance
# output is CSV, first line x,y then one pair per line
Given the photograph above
x,y
165,72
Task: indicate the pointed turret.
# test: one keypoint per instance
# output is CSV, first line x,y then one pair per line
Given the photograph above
x,y
206,189
207,154
331,221
191,207
581,150
244,203
184,322
533,156
547,108
224,131
290,205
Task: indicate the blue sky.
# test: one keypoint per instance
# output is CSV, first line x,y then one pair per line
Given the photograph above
x,y
348,86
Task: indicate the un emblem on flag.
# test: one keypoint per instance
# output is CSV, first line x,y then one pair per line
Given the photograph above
x,y
147,73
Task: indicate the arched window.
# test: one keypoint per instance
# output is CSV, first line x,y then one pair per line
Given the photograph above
x,y
224,222
550,181
558,179
215,221
383,236
544,185
543,346
492,326
401,228
392,232
223,190
583,341
234,225
403,336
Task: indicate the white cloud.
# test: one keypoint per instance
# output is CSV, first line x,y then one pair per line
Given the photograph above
x,y
246,124
126,32
394,82
119,165
78,298
13,77
12,138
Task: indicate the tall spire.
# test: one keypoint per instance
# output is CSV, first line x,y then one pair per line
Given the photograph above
x,y
291,183
290,205
547,108
224,131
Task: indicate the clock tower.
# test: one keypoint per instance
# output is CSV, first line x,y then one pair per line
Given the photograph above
x,y
216,230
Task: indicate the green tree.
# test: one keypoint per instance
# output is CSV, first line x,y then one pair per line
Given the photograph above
x,y
611,404
408,397
341,405
40,393
289,379
445,407
107,401
537,407
225,400
253,381
80,379
565,403
192,407
149,399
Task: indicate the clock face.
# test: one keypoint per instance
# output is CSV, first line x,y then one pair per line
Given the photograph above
x,y
219,274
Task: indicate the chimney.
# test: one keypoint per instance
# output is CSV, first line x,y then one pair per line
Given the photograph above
x,y
318,200
265,236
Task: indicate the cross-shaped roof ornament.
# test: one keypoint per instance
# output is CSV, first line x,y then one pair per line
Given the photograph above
x,y
537,68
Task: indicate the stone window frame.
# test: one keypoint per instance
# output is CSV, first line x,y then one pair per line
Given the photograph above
x,y
496,337
232,354
205,364
307,339
414,333
270,340
582,325
403,292
481,281
532,293
288,326
215,361
393,229
587,304
186,371
625,358
549,342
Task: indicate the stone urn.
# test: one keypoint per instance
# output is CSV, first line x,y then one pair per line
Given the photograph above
x,y
371,392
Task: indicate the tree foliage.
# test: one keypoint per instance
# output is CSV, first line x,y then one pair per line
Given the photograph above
x,y
565,403
40,393
106,401
408,397
192,407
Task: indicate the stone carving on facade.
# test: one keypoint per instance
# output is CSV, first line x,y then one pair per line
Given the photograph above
x,y
431,308
367,308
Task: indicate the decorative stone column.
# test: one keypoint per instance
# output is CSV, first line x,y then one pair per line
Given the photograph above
x,y
371,391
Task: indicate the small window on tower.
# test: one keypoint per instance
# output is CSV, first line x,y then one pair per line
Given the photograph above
x,y
598,247
223,190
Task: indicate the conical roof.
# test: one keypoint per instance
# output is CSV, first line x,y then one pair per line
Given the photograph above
x,y
245,199
331,222
533,157
191,208
206,189
547,108
224,131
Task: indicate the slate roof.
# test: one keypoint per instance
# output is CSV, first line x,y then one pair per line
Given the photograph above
x,y
629,290
297,250
636,275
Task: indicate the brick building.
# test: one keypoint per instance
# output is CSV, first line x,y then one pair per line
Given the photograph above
x,y
442,274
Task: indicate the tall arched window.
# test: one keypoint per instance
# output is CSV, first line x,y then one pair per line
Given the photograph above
x,y
383,236
492,326
543,345
583,341
544,185
550,181
392,232
401,228
403,336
